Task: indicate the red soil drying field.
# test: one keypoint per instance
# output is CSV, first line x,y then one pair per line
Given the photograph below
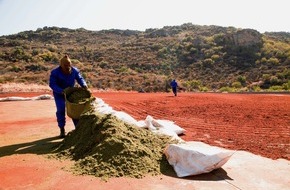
x,y
258,123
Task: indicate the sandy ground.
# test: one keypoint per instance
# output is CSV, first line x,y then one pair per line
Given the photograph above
x,y
256,123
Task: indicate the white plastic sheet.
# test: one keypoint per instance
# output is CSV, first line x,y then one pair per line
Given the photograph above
x,y
102,107
164,127
168,125
193,158
124,117
16,98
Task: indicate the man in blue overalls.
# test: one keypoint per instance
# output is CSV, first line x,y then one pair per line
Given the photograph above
x,y
174,86
60,78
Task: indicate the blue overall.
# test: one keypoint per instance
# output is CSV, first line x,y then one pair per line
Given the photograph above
x,y
59,81
174,86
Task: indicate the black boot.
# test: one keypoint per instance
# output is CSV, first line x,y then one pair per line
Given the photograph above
x,y
62,133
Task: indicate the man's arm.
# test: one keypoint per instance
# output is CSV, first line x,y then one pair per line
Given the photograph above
x,y
81,81
53,84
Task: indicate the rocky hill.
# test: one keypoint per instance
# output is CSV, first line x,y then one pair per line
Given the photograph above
x,y
201,58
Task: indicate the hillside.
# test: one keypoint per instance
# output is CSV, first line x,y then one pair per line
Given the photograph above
x,y
201,58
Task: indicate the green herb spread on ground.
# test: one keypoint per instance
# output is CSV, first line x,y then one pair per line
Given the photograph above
x,y
105,146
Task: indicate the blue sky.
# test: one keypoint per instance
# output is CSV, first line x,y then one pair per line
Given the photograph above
x,y
262,15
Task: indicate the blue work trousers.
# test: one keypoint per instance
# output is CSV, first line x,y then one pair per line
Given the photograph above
x,y
60,111
174,90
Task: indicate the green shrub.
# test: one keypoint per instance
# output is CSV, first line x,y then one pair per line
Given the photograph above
x,y
203,89
236,84
274,80
227,89
276,88
215,57
208,62
286,86
192,85
14,68
242,80
273,60
256,88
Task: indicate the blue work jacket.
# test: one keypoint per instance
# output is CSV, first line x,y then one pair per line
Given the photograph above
x,y
59,81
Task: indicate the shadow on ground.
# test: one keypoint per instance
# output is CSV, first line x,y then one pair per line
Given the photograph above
x,y
49,145
215,175
42,146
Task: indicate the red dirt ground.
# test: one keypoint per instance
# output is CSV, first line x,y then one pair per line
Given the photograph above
x,y
258,123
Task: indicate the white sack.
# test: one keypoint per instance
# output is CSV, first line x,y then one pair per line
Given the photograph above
x,y
124,117
193,158
105,110
159,129
164,131
169,125
148,122
99,102
156,124
102,107
141,124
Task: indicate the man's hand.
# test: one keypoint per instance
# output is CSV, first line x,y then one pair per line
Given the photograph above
x,y
87,88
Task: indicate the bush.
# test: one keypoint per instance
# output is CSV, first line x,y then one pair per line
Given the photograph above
x,y
236,84
276,88
14,68
215,57
208,62
286,86
242,80
203,89
273,60
192,85
227,89
274,80
256,88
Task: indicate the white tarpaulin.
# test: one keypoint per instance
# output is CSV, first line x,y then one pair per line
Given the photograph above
x,y
193,158
168,125
164,127
15,98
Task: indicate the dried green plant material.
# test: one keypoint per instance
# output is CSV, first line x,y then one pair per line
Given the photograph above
x,y
78,96
105,146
